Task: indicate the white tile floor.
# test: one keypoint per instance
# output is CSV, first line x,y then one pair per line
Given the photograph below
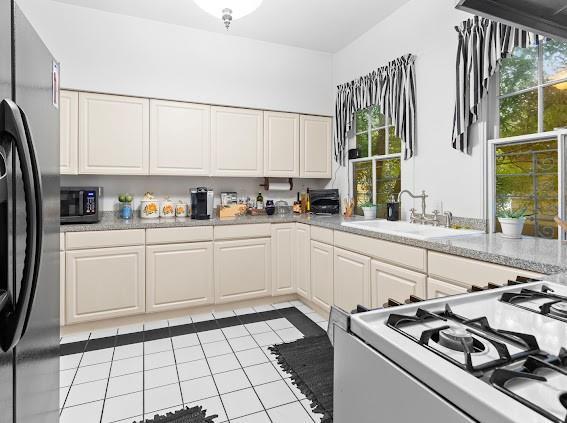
x,y
229,371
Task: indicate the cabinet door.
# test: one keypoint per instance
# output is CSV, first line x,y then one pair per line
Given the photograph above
x,y
61,288
242,269
322,274
389,281
351,279
316,150
180,142
104,283
69,132
437,288
283,241
237,138
179,276
281,144
114,135
303,260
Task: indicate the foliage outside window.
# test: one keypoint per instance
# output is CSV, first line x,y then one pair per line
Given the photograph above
x,y
376,174
532,99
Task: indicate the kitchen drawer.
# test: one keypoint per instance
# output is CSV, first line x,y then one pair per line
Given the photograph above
x,y
179,235
391,252
61,242
260,230
323,235
471,272
102,239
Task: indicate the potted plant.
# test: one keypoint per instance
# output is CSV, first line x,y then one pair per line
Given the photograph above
x,y
512,222
369,210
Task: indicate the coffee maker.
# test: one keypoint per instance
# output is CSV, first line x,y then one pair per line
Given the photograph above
x,y
201,203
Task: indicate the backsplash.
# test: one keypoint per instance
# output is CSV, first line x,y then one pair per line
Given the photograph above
x,y
178,187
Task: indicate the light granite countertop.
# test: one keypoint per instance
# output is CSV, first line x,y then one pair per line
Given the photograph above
x,y
533,254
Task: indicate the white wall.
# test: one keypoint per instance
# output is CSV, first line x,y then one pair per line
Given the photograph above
x,y
453,180
119,54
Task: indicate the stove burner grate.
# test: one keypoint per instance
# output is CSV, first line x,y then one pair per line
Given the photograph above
x,y
555,308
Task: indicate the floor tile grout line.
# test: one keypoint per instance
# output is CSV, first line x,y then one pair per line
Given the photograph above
x,y
177,372
108,380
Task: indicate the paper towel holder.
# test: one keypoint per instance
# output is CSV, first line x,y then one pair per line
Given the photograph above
x,y
266,184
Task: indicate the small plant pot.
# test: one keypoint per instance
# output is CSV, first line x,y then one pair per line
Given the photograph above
x,y
369,212
512,228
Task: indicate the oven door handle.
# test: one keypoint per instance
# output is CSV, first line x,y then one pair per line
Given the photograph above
x,y
14,319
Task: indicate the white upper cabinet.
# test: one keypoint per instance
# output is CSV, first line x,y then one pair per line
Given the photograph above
x,y
69,132
114,135
237,138
316,147
180,138
281,144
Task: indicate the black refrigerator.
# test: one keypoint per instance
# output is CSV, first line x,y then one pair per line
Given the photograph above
x,y
29,223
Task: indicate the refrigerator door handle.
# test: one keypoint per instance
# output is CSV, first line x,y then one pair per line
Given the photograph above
x,y
5,299
13,124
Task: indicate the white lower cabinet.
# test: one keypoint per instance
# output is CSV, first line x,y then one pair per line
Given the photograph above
x,y
179,276
437,288
351,279
322,274
242,269
104,283
283,277
397,283
302,254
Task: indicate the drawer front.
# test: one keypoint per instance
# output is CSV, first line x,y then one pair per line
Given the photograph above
x,y
260,230
469,272
61,242
102,239
323,235
179,235
391,252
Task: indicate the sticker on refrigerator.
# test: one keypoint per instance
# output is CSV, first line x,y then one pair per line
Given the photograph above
x,y
55,85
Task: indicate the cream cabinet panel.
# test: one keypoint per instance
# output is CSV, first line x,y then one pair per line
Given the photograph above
x,y
389,281
351,279
114,134
316,147
242,269
179,276
281,144
283,245
302,253
180,138
437,288
104,283
322,274
69,132
252,230
237,138
61,288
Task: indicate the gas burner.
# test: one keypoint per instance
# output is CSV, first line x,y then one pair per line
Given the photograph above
x,y
456,338
544,302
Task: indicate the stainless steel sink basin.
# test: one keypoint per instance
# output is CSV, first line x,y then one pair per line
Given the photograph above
x,y
410,230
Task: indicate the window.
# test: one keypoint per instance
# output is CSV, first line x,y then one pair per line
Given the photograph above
x,y
525,159
376,173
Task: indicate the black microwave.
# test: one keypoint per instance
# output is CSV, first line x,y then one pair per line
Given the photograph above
x,y
80,204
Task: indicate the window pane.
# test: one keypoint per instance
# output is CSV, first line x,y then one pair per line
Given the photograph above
x,y
377,119
555,106
526,177
554,60
388,182
379,142
362,144
362,184
519,71
361,121
518,114
395,142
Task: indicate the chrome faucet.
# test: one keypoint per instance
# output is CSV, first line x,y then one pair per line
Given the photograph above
x,y
422,217
423,196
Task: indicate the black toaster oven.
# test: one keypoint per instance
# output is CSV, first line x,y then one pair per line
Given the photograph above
x,y
80,204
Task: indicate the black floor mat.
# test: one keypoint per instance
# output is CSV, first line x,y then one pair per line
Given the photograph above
x,y
184,415
310,363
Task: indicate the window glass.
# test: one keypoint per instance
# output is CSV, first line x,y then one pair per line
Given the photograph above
x,y
379,142
388,183
519,71
555,106
362,184
362,144
518,114
395,142
554,60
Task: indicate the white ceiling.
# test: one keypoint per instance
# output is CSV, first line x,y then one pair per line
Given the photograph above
x,y
324,25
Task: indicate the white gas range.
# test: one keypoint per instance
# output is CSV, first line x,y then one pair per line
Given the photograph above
x,y
492,356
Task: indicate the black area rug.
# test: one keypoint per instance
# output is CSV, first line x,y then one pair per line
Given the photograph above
x,y
310,363
185,415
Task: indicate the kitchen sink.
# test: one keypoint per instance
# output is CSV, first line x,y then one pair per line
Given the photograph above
x,y
410,230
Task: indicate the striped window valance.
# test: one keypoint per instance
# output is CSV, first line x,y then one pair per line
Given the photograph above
x,y
482,45
392,87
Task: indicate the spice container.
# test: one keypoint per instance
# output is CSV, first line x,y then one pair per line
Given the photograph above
x,y
167,208
181,209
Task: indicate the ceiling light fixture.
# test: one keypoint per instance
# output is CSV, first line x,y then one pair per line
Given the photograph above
x,y
228,10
